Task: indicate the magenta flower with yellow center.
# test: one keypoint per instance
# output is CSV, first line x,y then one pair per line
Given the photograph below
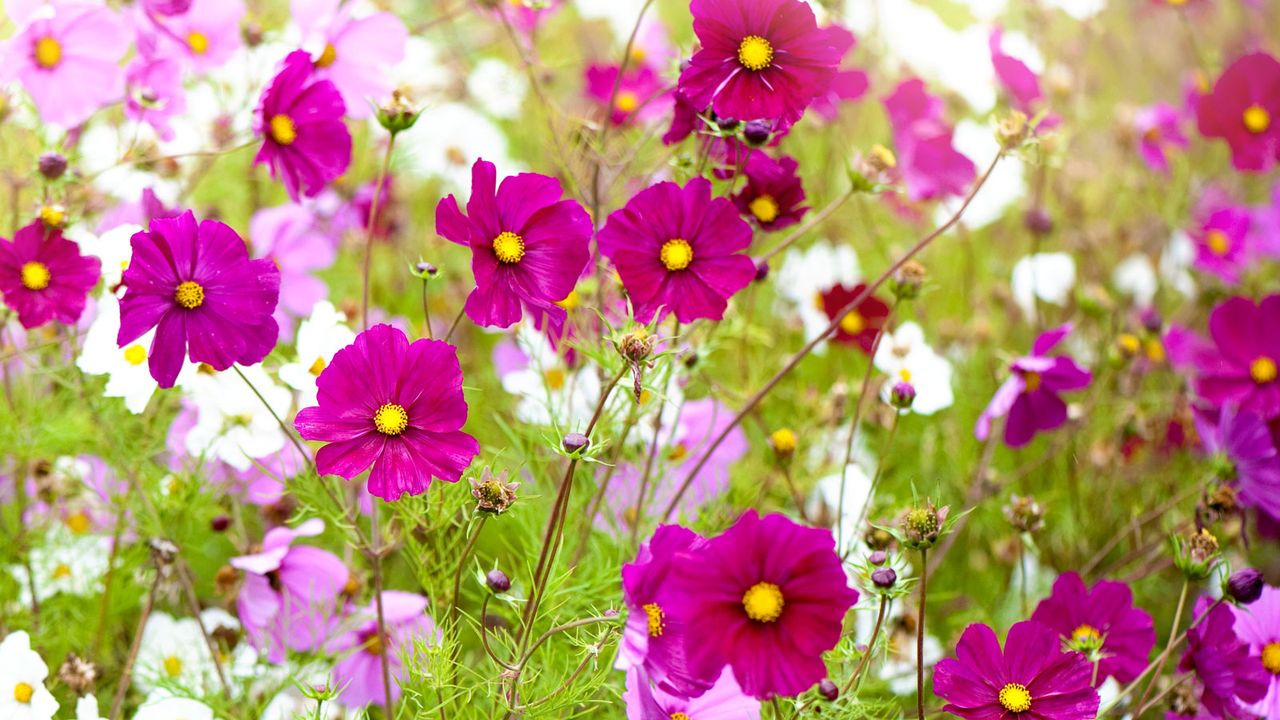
x,y
44,277
1244,110
305,142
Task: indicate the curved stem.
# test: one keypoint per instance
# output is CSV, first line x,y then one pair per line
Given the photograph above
x,y
866,656
814,221
462,561
1168,646
857,421
375,552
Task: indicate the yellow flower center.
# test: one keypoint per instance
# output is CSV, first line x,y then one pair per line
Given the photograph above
x,y
1218,242
327,57
1271,658
48,52
1256,119
1263,370
135,354
763,602
679,451
570,301
22,692
853,323
676,254
509,247
783,441
53,215
1085,633
1129,344
1015,698
627,102
1155,350
884,156
78,523
172,666
373,645
198,42
679,716
63,570
554,378
283,131
317,367
189,295
1031,380
656,616
755,53
765,208
35,275
391,419
905,375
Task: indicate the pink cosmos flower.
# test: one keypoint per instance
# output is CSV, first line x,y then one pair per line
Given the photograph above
x,y
1159,128
205,36
1244,110
44,277
167,7
759,59
864,324
773,195
68,59
528,246
1242,446
360,672
724,700
1258,625
1232,677
679,251
848,85
524,16
155,93
1240,365
288,235
1100,617
1018,80
1029,396
206,299
640,94
306,143
1222,244
356,53
393,405
930,165
289,598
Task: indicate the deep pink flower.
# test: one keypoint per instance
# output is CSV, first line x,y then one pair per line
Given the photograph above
x,y
1240,366
1100,617
44,277
773,196
848,84
68,59
928,162
289,236
767,598
1030,677
1018,80
1159,128
356,53
1029,396
1243,447
724,701
1244,110
205,36
360,671
200,291
306,143
1232,678
684,120
1266,226
155,93
1258,624
864,324
393,405
640,93
1222,244
167,7
528,246
759,59
289,597
679,251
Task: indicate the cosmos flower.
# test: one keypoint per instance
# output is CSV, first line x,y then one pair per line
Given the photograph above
x,y
806,274
353,52
679,251
173,651
640,93
1242,445
44,277
319,338
930,165
205,37
773,196
762,59
458,134
848,85
861,326
154,93
551,389
1031,675
1240,364
393,405
1244,110
63,562
905,356
233,425
290,236
723,700
289,597
1232,677
1029,396
165,707
23,695
305,142
1159,128
1102,618
528,246
1046,277
1018,80
770,598
1221,244
360,671
128,376
68,59
203,295
1258,625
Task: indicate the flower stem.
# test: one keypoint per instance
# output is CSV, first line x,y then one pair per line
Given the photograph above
x,y
1168,646
866,656
924,573
375,554
856,421
126,673
373,220
462,561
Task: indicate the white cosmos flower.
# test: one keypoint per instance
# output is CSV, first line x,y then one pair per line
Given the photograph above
x,y
550,393
447,142
232,425
63,563
101,149
173,708
128,375
498,88
806,274
173,652
905,356
319,338
824,504
23,695
1135,276
1047,276
1175,263
423,74
87,708
113,248
621,15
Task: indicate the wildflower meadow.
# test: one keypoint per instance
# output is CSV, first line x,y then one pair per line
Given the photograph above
x,y
644,359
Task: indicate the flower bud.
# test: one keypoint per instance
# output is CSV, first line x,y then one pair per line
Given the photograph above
x,y
908,280
497,581
636,346
52,165
426,269
828,690
922,526
398,114
902,395
1245,586
53,216
1037,221
493,494
575,442
762,270
756,132
727,124
225,579
1196,555
220,523
878,558
1024,513
884,578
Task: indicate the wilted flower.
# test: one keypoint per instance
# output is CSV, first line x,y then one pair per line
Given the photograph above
x,y
1024,513
493,493
1196,554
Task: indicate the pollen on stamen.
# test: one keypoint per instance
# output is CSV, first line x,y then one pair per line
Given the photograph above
x,y
508,247
676,254
35,275
764,208
327,57
198,42
283,131
317,367
1218,242
627,102
763,602
755,53
189,295
391,419
48,53
1015,698
1256,119
656,619
1263,370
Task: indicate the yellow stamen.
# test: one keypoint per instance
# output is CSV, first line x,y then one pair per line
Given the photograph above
x,y
1085,633
283,131
1271,658
172,666
1015,698
783,440
570,301
763,602
676,254
678,452
391,419
905,375
680,716
373,645
627,102
656,616
189,295
135,354
554,378
1129,344
765,208
48,52
35,275
853,323
53,215
63,570
1256,119
755,53
198,42
1218,242
1263,370
327,57
23,693
317,367
78,523
1031,380
509,247
884,156
1155,350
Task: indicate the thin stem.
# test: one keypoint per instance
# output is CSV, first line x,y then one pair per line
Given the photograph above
x,y
426,311
127,672
462,561
1168,646
564,628
105,604
293,438
373,220
866,656
811,223
484,636
1159,660
454,325
857,421
193,602
924,570
384,639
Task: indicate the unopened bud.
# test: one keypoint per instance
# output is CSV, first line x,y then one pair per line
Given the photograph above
x,y
52,165
220,523
497,581
426,269
1012,130
762,270
909,280
878,558
783,441
727,124
575,442
902,395
828,690
1024,513
398,114
1245,586
1038,221
884,578
756,132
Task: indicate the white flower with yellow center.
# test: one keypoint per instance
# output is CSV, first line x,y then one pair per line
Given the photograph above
x,y
173,653
806,274
23,695
173,708
549,391
128,375
65,563
319,337
904,356
113,248
447,149
232,425
1135,276
87,709
1048,277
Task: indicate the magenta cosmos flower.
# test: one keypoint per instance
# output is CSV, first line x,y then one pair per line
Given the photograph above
x,y
1159,129
1258,625
291,237
393,405
356,53
849,84
1101,617
863,324
359,673
767,598
1232,677
43,276
68,59
724,701
773,196
679,251
206,299
1245,454
528,246
1031,677
1029,396
307,144
1221,244
1018,80
641,93
1241,365
930,165
289,597
759,59
1244,110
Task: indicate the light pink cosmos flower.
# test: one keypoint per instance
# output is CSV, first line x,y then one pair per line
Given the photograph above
x,y
155,93
1222,244
205,36
355,53
1159,128
289,235
360,672
68,59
